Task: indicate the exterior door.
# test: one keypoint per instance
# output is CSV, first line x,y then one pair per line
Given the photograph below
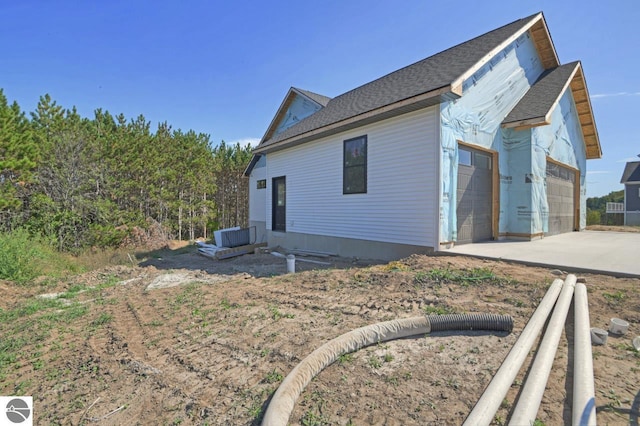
x,y
561,183
279,204
474,195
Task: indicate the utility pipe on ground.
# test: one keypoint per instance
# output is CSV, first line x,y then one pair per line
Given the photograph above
x,y
285,397
531,395
487,406
584,400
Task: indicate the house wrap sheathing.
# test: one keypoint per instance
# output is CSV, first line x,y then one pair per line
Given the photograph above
x,y
486,140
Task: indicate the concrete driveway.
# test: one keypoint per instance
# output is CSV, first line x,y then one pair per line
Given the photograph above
x,y
611,253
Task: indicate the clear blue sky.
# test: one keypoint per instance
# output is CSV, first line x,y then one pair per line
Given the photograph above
x,y
223,67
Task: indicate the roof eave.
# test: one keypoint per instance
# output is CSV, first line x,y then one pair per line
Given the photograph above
x,y
527,124
544,43
585,114
252,164
401,107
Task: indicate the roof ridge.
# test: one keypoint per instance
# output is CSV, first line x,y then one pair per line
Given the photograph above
x,y
528,18
416,85
317,97
308,91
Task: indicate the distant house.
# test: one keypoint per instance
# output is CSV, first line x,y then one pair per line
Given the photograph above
x,y
631,181
486,140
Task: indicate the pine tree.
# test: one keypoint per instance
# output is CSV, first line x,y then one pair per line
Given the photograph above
x,y
18,159
81,182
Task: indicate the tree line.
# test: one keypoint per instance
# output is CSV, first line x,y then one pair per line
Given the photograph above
x,y
597,207
81,182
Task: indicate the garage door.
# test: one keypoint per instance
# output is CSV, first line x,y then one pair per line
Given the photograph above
x,y
474,206
561,183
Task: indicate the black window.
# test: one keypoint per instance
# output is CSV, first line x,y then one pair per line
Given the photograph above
x,y
262,184
354,180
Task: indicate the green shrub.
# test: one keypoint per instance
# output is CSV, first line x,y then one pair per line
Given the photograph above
x,y
104,236
593,217
19,256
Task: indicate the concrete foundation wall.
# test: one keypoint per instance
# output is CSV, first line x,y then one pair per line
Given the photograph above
x,y
347,247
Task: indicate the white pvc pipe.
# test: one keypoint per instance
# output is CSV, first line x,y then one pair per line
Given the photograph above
x,y
529,402
489,402
584,401
291,264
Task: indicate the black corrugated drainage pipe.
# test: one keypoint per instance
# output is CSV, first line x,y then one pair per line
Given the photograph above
x,y
285,397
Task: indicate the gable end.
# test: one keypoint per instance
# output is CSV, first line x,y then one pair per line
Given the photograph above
x,y
631,173
536,106
319,101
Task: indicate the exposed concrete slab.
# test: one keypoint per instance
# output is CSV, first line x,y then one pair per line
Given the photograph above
x,y
611,253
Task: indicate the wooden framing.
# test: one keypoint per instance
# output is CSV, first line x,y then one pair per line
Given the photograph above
x,y
585,115
495,195
542,41
495,186
520,235
238,251
576,191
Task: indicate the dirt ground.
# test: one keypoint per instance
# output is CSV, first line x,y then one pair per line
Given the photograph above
x,y
613,228
183,339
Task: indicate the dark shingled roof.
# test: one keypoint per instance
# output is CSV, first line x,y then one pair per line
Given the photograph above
x,y
631,172
320,99
542,96
428,75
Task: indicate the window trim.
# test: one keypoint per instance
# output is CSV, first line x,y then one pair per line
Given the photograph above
x,y
346,167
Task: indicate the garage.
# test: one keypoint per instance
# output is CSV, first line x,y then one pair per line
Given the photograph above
x,y
561,194
474,195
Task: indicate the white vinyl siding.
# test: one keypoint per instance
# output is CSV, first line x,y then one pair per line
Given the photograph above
x,y
257,197
400,205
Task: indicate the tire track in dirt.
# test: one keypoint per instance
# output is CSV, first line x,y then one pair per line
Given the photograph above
x,y
213,352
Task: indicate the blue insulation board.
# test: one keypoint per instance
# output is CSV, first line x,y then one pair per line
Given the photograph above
x,y
476,117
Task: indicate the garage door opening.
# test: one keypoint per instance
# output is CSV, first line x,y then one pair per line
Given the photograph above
x,y
475,194
561,183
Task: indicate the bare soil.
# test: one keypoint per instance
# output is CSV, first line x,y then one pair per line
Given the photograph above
x,y
613,228
210,341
